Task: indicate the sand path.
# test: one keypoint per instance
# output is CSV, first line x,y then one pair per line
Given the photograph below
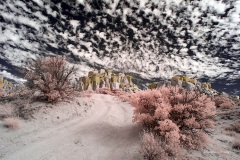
x,y
106,134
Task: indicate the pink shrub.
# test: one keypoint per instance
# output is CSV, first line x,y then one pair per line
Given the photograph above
x,y
51,77
178,116
223,102
194,139
151,147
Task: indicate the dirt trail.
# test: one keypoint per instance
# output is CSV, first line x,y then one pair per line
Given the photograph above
x,y
106,134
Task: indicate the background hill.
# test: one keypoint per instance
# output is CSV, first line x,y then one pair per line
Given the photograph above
x,y
151,39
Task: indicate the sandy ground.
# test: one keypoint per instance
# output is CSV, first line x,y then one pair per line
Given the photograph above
x,y
220,142
88,130
98,128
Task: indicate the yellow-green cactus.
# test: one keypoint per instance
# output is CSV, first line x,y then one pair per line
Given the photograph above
x,y
193,81
205,85
176,78
129,78
135,86
108,71
130,88
209,85
85,79
85,86
100,75
96,79
108,85
181,78
87,83
114,79
5,81
1,83
90,74
186,79
119,74
152,85
121,85
10,84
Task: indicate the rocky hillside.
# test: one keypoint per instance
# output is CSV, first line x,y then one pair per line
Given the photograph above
x,y
151,39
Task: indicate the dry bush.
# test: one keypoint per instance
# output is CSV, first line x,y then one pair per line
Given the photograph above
x,y
51,76
223,102
178,116
236,145
151,147
234,127
11,122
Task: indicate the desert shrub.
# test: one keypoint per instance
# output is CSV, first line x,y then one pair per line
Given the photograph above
x,y
236,145
11,122
178,116
223,102
51,76
151,147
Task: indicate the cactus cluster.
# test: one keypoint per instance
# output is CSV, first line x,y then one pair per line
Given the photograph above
x,y
186,82
105,79
5,85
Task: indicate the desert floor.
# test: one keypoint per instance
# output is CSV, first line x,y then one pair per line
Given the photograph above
x,y
97,128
